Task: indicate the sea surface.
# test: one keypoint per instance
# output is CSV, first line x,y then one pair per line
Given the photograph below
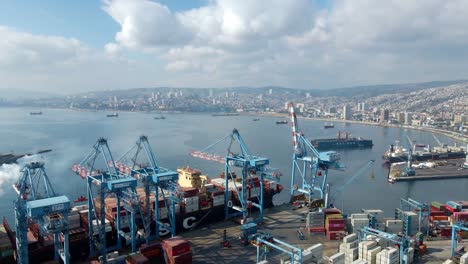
x,y
71,135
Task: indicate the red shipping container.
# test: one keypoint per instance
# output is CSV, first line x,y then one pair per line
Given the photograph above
x,y
334,235
438,213
317,229
341,228
460,216
184,258
451,209
175,246
137,259
335,220
331,211
446,232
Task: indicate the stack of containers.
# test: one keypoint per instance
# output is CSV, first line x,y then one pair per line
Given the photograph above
x,y
359,261
177,251
74,218
316,252
334,225
107,226
136,259
338,258
315,222
452,207
410,223
218,198
393,226
358,221
409,258
191,203
464,259
372,255
388,256
254,187
436,206
378,216
365,247
350,248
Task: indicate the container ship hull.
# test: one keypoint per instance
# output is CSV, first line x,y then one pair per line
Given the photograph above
x,y
199,208
333,143
424,156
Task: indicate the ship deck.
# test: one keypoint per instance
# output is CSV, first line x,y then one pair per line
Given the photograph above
x,y
451,170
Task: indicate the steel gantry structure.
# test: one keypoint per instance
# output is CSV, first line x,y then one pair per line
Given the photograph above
x,y
456,227
102,183
262,241
250,166
140,162
38,201
403,242
307,158
423,211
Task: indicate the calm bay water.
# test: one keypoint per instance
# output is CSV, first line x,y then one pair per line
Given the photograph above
x,y
71,134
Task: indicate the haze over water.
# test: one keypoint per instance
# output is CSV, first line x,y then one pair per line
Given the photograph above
x,y
71,135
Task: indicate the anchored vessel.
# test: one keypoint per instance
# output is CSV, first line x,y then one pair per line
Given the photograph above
x,y
345,142
113,115
397,153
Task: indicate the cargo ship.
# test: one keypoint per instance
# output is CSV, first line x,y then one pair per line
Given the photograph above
x,y
203,202
282,122
397,153
159,117
339,142
331,125
35,113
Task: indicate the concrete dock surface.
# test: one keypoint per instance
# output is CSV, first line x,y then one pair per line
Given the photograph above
x,y
282,222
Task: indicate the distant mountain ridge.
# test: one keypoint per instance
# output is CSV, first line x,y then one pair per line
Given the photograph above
x,y
361,91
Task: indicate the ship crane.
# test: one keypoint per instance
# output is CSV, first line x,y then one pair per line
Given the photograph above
x,y
309,163
250,166
140,162
423,210
38,201
107,182
442,145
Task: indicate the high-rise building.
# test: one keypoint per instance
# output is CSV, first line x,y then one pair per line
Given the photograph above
x,y
384,115
401,117
270,91
332,110
347,112
408,118
362,107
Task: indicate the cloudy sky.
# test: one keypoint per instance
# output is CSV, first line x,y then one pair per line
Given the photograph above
x,y
70,46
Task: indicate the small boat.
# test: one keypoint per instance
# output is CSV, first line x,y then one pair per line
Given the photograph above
x,y
282,122
331,125
391,180
159,117
35,113
113,115
256,119
80,199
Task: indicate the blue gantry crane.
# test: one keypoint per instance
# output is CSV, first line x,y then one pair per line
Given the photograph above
x,y
309,163
330,196
38,201
140,162
102,183
456,227
250,166
403,242
264,241
423,211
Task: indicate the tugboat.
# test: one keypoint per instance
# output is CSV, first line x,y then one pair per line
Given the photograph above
x,y
113,115
282,122
80,199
